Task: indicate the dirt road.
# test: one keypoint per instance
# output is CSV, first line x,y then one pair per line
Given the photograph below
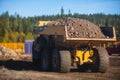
x,y
24,70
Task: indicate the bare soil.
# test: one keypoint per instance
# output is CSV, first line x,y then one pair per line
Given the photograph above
x,y
24,70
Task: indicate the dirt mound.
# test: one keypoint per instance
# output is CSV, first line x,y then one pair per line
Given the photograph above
x,y
18,54
6,53
79,28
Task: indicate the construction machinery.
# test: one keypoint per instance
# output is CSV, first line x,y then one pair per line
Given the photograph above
x,y
113,49
54,50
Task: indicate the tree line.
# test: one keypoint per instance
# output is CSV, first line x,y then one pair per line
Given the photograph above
x,y
14,28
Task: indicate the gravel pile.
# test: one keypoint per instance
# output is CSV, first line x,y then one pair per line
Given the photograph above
x,y
7,53
79,28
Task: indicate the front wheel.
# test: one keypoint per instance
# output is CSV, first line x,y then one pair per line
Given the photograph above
x,y
100,60
61,60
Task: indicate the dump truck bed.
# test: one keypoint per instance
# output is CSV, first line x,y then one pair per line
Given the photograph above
x,y
109,33
63,39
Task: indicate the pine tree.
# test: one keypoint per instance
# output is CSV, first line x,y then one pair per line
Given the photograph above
x,y
69,13
62,11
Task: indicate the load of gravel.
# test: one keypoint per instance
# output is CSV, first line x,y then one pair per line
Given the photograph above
x,y
79,28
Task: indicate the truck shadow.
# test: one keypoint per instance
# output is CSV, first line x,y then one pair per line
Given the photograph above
x,y
22,65
18,65
28,65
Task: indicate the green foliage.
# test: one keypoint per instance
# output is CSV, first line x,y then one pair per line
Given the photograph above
x,y
21,37
29,36
14,28
6,37
69,13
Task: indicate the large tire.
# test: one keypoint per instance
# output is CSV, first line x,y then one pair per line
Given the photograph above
x,y
100,60
65,61
40,55
44,61
44,53
61,61
35,55
56,60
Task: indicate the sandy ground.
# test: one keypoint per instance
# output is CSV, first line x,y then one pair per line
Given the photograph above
x,y
24,70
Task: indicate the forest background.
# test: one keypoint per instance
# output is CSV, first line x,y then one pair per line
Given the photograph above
x,y
14,28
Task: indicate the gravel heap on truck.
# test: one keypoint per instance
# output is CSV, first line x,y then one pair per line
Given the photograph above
x,y
79,28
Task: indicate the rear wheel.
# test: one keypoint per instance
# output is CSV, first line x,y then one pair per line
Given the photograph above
x,y
61,61
44,60
56,60
100,60
35,54
44,53
39,53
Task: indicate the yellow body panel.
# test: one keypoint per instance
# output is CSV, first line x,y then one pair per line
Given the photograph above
x,y
83,56
13,46
42,23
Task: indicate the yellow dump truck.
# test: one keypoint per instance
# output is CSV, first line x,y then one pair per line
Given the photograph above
x,y
55,50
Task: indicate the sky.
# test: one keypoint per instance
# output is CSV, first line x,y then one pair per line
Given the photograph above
x,y
52,7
